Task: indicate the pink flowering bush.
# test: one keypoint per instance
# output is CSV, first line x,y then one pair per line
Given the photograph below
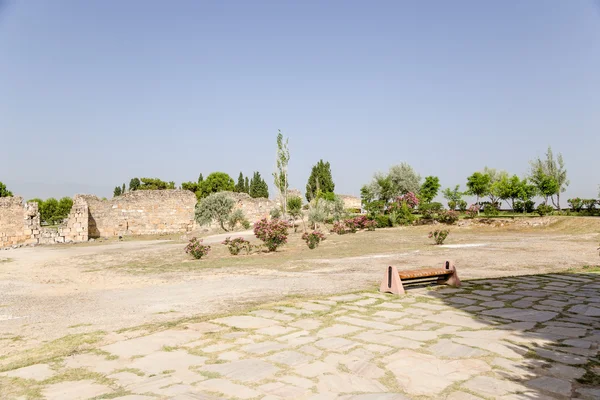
x,y
410,198
473,211
351,225
439,235
339,227
370,225
196,248
273,233
360,221
448,217
236,245
313,238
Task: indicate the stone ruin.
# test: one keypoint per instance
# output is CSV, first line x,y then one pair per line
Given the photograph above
x,y
142,212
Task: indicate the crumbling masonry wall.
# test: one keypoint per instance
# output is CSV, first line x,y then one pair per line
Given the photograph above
x,y
143,212
18,222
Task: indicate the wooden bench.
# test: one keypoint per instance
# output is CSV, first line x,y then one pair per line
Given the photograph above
x,y
394,280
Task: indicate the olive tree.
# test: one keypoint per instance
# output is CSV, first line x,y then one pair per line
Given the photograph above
x,y
551,167
216,207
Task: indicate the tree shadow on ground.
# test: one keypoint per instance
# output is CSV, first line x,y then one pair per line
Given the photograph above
x,y
540,334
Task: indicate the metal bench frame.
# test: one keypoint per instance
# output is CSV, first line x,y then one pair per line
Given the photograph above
x,y
394,280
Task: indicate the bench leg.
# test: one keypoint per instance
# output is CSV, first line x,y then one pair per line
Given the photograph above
x,y
453,279
391,282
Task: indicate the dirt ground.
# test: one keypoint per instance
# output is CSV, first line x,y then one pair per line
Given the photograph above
x,y
49,292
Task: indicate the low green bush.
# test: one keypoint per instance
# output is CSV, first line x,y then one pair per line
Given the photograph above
x,y
544,209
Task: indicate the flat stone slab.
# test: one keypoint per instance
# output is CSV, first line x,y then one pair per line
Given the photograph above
x,y
552,385
160,361
449,349
246,322
283,390
491,387
586,310
373,396
38,372
151,343
348,383
74,390
424,374
250,370
290,358
337,330
521,315
228,388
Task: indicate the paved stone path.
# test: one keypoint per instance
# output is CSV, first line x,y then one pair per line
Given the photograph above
x,y
516,338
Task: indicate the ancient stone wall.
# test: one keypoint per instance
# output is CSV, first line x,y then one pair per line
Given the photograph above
x,y
351,202
254,209
143,212
18,222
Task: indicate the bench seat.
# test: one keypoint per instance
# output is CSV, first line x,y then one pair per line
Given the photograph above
x,y
394,280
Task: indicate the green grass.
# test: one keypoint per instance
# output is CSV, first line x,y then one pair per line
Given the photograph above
x,y
63,347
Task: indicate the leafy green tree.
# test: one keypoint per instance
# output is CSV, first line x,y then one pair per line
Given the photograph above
x,y
320,178
294,207
191,186
239,187
216,207
429,188
117,191
478,185
200,179
134,184
155,184
216,182
454,196
246,185
258,187
64,208
4,192
280,175
49,211
554,168
495,178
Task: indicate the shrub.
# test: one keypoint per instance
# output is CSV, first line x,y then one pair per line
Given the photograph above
x,y
462,205
383,221
275,213
370,225
589,204
448,217
452,205
544,209
439,235
236,245
410,198
473,211
313,239
527,206
400,214
430,210
576,204
340,228
490,210
360,221
272,233
196,248
351,225
238,217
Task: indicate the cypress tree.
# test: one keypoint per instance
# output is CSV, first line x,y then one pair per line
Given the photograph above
x,y
246,186
240,187
200,178
258,187
321,172
123,189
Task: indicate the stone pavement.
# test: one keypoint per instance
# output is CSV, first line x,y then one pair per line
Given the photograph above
x,y
532,337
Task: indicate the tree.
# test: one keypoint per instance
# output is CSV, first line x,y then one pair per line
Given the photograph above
x,y
429,188
4,192
258,187
554,168
546,184
215,207
49,210
246,185
495,177
191,186
64,208
239,187
156,184
294,206
404,179
117,191
454,195
216,182
134,184
281,173
200,179
478,185
320,177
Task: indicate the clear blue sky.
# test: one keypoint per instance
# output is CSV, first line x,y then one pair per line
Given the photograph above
x,y
93,93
